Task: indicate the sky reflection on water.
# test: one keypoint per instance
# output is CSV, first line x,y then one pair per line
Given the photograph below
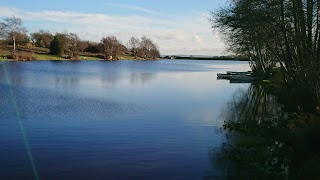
x,y
114,120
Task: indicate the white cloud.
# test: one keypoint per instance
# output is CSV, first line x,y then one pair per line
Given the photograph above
x,y
132,7
179,35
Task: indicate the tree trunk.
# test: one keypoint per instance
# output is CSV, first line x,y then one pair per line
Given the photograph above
x,y
14,46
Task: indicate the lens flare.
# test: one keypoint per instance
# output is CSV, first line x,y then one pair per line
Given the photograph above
x,y
20,122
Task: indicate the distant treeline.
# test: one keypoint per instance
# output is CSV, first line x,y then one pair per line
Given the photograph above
x,y
70,45
226,58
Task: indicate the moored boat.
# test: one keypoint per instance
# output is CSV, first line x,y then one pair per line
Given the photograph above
x,y
237,76
223,76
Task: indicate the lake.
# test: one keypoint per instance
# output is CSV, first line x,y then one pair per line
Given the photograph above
x,y
114,120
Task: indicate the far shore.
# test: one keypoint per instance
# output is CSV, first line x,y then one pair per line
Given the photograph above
x,y
84,58
37,54
224,58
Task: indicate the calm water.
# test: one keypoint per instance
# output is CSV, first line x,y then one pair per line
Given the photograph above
x,y
113,120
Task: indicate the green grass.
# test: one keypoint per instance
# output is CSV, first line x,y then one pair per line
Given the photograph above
x,y
47,57
4,52
126,57
40,54
3,58
53,57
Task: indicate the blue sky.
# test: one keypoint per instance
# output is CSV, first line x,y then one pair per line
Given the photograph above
x,y
177,26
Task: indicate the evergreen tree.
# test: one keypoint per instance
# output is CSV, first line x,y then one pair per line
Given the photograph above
x,y
57,45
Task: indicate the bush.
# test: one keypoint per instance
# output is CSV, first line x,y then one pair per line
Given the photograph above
x,y
25,56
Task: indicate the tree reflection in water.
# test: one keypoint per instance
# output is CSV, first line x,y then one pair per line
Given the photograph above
x,y
266,141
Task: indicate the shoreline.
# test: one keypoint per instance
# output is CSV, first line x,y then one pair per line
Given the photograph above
x,y
122,58
12,60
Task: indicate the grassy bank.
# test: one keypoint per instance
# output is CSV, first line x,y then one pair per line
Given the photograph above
x,y
5,52
35,53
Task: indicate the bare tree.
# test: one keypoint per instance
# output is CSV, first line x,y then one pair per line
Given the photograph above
x,y
42,38
21,39
93,47
111,47
10,28
134,44
154,52
72,45
148,49
83,45
286,32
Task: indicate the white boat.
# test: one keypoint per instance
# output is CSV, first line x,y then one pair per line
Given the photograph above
x,y
237,76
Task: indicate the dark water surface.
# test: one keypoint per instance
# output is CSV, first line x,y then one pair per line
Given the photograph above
x,y
113,120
